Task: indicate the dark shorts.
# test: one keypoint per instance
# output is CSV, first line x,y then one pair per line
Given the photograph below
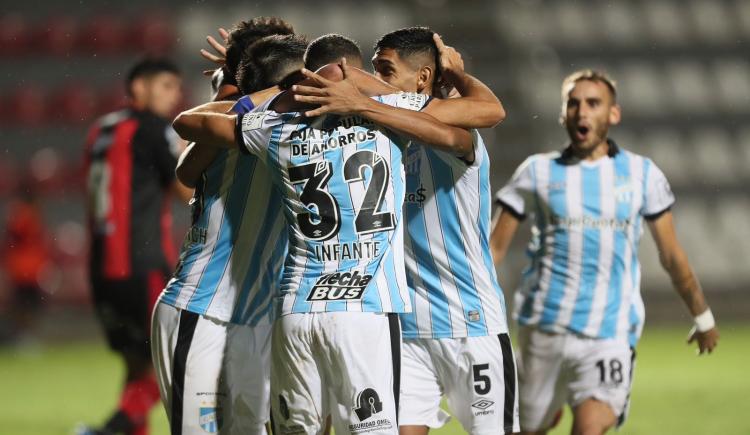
x,y
124,309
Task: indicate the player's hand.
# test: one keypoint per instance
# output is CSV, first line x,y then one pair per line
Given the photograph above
x,y
342,97
220,48
707,341
451,64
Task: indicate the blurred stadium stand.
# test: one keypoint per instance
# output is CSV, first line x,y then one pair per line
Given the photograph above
x,y
682,69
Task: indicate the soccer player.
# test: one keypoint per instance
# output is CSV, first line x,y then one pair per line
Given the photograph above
x,y
579,306
336,346
456,339
130,161
331,48
212,327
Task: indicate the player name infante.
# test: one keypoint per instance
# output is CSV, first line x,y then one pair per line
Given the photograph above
x,y
364,250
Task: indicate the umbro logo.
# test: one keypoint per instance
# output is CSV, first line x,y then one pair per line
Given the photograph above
x,y
482,404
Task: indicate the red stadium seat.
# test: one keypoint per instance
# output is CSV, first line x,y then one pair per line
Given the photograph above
x,y
58,35
153,34
14,35
27,106
74,103
103,34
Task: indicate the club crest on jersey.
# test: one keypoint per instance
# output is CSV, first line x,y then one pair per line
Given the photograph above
x,y
209,419
346,286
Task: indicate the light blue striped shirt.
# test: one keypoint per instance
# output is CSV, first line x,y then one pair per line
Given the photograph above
x,y
231,259
449,268
342,182
587,223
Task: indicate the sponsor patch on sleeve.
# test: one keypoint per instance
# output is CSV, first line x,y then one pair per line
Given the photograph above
x,y
411,100
252,121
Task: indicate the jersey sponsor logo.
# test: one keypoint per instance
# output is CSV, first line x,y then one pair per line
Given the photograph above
x,y
411,100
482,407
368,405
417,197
474,316
197,235
253,121
589,222
346,286
623,189
310,142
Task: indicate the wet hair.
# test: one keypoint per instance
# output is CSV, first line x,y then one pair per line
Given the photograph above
x,y
270,61
331,48
410,43
148,67
246,33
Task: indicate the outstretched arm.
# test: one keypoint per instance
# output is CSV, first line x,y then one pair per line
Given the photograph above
x,y
674,261
344,97
208,124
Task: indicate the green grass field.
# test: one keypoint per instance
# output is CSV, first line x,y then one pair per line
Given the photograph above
x,y
675,392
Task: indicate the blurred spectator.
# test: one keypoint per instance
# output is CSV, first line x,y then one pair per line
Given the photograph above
x,y
25,256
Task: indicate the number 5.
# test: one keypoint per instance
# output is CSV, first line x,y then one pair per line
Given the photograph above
x,y
482,384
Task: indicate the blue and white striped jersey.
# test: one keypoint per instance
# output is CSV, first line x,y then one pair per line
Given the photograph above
x,y
231,259
449,269
342,181
584,275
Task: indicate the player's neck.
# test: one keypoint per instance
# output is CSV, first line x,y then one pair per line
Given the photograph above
x,y
592,154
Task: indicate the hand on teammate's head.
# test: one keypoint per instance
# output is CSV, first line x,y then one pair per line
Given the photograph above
x,y
450,62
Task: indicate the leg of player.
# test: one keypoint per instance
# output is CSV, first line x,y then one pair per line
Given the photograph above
x,y
421,391
593,417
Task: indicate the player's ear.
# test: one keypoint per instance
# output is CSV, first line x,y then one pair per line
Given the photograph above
x,y
424,77
615,115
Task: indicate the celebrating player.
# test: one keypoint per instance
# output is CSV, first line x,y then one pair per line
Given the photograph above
x,y
336,346
579,305
130,161
212,326
456,338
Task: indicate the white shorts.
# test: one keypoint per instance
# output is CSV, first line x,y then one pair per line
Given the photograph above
x,y
476,374
213,376
345,364
555,369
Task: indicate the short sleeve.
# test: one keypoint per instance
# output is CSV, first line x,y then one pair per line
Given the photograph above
x,y
254,131
516,193
405,100
658,196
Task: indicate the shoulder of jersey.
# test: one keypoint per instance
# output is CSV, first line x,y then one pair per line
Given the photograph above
x,y
113,118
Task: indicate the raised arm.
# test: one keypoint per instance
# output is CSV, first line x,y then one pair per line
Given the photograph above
x,y
477,107
674,260
343,97
208,124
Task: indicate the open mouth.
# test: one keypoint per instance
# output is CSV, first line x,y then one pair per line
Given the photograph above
x,y
582,130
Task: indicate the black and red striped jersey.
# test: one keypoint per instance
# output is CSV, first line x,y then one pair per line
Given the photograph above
x,y
130,161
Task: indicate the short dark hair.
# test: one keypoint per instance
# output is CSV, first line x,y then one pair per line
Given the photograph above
x,y
246,33
269,61
330,48
410,42
148,67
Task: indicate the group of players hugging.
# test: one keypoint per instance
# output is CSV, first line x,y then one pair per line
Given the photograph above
x,y
340,266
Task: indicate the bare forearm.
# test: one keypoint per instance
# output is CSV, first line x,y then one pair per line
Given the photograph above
x,y
207,128
418,126
370,85
686,283
193,161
